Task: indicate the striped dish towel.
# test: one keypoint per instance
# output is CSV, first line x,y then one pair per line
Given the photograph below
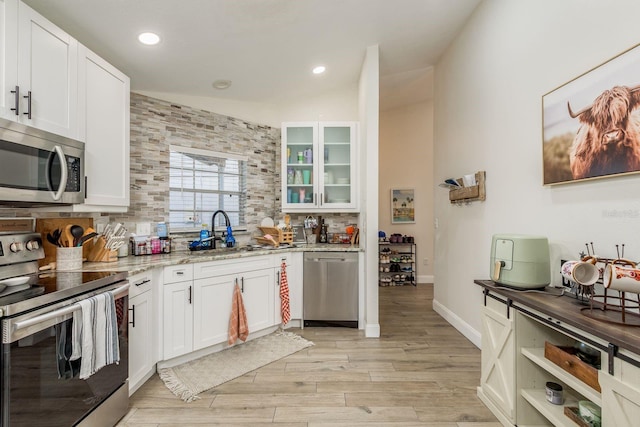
x,y
98,341
284,294
238,326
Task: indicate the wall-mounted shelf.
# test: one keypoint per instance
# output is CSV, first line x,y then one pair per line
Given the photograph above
x,y
469,194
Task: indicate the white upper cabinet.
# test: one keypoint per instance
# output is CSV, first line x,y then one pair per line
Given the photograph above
x,y
104,126
51,82
47,70
319,166
9,59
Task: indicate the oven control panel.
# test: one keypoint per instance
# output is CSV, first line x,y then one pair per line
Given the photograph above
x,y
20,247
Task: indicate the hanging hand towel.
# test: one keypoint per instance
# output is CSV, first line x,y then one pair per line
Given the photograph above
x,y
284,294
99,339
238,327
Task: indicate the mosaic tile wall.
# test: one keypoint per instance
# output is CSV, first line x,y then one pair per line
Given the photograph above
x,y
157,124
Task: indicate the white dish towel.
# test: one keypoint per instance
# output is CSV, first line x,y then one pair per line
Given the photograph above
x,y
95,334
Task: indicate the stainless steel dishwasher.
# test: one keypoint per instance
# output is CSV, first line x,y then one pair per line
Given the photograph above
x,y
330,284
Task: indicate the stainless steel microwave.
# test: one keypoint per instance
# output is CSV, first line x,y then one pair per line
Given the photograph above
x,y
38,167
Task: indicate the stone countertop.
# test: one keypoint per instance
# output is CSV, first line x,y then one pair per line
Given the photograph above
x,y
139,264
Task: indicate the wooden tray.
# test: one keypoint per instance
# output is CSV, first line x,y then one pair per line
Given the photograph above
x,y
565,357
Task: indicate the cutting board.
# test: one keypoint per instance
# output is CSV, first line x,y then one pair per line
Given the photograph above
x,y
47,225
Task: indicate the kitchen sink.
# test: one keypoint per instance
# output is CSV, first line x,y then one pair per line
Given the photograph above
x,y
218,251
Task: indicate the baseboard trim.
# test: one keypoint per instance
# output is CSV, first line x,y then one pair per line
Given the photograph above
x,y
455,321
372,330
426,278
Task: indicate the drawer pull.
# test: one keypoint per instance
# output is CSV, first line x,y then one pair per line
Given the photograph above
x,y
142,282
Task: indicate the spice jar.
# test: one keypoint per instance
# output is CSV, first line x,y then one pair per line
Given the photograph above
x,y
554,393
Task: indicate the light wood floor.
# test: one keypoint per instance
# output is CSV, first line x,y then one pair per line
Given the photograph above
x,y
420,372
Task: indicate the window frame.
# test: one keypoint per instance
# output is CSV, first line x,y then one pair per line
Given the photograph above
x,y
243,176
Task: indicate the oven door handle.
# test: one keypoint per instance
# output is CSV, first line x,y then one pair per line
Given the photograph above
x,y
61,312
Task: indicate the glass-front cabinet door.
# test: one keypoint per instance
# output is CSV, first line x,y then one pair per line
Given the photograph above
x,y
337,175
318,169
300,142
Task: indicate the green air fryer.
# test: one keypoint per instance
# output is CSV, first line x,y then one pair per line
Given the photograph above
x,y
520,261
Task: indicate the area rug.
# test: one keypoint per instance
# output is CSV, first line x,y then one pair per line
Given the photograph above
x,y
189,379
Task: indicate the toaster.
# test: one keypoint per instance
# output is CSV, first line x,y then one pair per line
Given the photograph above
x,y
520,261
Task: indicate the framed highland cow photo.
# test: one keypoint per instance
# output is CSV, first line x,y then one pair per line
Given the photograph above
x,y
591,125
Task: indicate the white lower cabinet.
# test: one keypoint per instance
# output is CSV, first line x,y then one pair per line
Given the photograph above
x,y
293,266
212,310
258,296
141,334
178,319
197,302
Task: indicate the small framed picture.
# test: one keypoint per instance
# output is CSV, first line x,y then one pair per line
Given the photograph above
x,y
402,206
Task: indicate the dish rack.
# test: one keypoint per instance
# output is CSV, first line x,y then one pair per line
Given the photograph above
x,y
279,236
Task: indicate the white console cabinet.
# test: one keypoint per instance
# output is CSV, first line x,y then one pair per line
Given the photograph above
x,y
516,368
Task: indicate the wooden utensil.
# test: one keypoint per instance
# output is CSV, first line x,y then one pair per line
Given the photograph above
x,y
50,225
66,238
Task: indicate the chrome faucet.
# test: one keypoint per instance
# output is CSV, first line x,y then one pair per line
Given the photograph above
x,y
213,226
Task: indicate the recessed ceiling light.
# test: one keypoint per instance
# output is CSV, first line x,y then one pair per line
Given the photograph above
x,y
319,69
221,84
149,38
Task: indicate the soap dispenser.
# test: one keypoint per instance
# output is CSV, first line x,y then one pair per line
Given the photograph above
x,y
230,241
204,234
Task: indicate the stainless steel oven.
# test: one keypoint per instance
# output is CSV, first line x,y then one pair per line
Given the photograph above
x,y
39,383
38,167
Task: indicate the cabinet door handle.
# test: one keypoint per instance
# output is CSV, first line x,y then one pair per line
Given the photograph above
x,y
278,278
28,98
242,284
320,199
190,299
133,316
17,100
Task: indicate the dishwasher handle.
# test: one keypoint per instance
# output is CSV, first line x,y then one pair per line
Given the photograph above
x,y
332,259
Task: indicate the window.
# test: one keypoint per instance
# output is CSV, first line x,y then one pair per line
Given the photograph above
x,y
200,183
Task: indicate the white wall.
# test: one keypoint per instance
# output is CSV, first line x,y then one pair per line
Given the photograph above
x,y
406,161
488,116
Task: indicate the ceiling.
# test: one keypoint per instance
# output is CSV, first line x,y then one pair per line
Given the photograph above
x,y
267,48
